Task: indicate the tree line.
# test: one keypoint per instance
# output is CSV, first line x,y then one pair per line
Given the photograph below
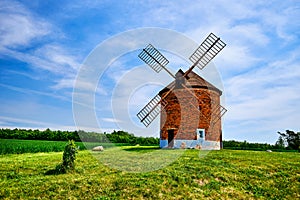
x,y
80,135
289,140
232,144
286,141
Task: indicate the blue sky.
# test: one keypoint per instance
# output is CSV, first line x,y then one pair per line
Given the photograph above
x,y
43,45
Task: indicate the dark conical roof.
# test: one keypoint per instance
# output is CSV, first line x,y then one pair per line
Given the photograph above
x,y
194,81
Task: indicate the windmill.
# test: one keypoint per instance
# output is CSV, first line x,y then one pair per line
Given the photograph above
x,y
208,49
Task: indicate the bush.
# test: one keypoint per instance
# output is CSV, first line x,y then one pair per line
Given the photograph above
x,y
69,156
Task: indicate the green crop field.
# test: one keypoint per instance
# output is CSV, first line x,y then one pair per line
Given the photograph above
x,y
225,174
12,146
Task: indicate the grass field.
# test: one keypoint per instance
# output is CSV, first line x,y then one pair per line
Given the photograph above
x,y
13,146
225,174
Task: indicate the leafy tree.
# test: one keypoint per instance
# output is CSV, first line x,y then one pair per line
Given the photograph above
x,y
280,144
292,138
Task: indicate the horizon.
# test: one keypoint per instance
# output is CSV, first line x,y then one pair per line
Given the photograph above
x,y
125,132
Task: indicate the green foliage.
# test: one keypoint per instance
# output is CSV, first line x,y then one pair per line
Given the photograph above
x,y
124,137
224,174
231,144
280,143
68,163
292,138
69,157
28,134
114,137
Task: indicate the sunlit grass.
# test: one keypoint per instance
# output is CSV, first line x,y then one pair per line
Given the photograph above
x,y
226,174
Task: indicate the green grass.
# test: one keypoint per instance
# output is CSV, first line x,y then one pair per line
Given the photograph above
x,y
225,174
13,146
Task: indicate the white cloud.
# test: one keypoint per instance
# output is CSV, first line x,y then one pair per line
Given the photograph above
x,y
35,92
112,120
277,74
9,72
235,59
251,34
43,62
18,26
264,100
64,83
283,20
11,120
56,54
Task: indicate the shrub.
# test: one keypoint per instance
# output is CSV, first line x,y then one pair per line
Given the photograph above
x,y
68,163
69,156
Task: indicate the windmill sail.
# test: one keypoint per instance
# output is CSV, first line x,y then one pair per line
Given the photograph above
x,y
217,113
209,48
152,57
151,110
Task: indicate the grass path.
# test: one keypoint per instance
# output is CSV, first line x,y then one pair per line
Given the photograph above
x,y
226,174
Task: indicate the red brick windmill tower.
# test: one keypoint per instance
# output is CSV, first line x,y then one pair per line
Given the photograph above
x,y
189,106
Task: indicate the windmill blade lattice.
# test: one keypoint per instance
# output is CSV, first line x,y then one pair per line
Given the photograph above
x,y
217,113
151,110
209,48
151,56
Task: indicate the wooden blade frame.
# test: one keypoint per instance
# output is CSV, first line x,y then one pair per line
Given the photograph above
x,y
217,113
152,57
151,110
209,48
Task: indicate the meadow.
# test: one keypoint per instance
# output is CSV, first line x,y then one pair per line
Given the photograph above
x,y
194,174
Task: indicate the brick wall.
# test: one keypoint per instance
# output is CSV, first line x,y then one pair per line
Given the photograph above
x,y
182,113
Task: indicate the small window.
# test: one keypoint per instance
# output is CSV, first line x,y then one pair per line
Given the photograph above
x,y
200,133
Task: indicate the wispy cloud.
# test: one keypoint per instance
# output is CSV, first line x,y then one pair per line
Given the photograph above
x,y
43,62
112,120
21,29
10,122
18,26
35,92
58,55
266,97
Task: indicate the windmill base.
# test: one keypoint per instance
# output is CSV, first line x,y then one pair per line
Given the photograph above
x,y
191,144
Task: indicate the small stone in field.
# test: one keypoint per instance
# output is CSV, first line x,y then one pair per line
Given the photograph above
x,y
269,150
98,148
